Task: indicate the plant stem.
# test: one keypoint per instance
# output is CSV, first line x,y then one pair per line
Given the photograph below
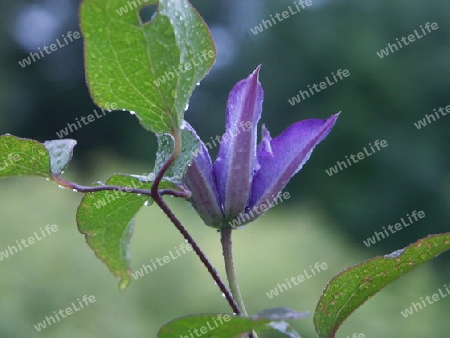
x,y
157,197
212,271
183,193
227,249
89,189
225,239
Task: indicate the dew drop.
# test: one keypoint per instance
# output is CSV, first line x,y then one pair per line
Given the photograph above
x,y
132,112
61,187
186,107
74,190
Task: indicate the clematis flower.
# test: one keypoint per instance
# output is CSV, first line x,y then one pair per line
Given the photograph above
x,y
246,180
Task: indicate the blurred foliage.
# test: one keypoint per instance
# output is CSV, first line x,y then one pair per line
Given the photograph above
x,y
326,219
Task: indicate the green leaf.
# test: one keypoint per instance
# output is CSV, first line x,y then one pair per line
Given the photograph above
x,y
352,287
176,171
61,152
106,220
212,326
147,68
25,157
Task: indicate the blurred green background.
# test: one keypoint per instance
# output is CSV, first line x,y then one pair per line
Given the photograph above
x,y
325,220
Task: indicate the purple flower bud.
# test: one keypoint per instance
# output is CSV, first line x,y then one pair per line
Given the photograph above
x,y
244,177
235,163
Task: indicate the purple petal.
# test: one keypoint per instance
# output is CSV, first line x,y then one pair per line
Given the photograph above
x,y
235,163
282,157
200,180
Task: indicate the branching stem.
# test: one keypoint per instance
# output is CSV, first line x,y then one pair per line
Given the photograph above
x,y
156,195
